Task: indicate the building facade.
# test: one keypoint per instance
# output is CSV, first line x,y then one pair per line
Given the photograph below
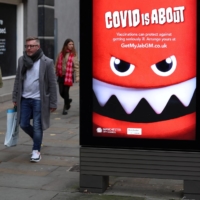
x,y
53,21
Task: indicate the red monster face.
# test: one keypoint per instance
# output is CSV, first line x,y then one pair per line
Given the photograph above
x,y
144,69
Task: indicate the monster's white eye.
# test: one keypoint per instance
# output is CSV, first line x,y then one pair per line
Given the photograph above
x,y
120,67
165,67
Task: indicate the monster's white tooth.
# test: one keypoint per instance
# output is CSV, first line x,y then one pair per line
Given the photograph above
x,y
129,98
103,91
186,91
157,98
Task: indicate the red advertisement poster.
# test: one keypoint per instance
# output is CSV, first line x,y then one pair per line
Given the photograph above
x,y
144,69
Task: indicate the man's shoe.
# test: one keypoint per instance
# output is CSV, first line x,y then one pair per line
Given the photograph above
x,y
36,156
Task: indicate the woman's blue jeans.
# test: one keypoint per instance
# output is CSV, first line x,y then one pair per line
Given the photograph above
x,y
31,109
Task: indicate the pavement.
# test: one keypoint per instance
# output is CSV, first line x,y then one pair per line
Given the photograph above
x,y
56,176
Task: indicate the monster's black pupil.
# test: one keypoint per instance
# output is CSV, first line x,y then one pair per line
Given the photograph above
x,y
164,66
121,66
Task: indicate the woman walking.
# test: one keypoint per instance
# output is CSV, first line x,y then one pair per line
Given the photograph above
x,y
67,65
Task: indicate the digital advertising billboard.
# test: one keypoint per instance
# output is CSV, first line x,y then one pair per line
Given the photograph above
x,y
142,71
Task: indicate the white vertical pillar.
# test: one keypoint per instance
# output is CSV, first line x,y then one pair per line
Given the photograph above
x,y
20,30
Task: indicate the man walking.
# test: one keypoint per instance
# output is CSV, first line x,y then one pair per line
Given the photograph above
x,y
34,93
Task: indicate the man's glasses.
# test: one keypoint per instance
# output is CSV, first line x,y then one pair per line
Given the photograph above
x,y
31,46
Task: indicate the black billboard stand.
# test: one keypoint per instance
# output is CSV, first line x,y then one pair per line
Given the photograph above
x,y
97,164
93,183
192,189
101,157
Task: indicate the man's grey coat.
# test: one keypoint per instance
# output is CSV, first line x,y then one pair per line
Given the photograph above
x,y
48,91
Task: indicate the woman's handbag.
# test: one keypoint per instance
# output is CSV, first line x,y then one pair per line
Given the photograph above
x,y
12,132
1,82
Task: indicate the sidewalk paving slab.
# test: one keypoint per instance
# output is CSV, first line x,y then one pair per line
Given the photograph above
x,y
26,169
48,160
23,181
7,193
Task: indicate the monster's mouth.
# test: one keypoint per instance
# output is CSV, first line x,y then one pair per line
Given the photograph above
x,y
144,105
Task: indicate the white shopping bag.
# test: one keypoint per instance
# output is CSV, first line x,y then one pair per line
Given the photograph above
x,y
12,131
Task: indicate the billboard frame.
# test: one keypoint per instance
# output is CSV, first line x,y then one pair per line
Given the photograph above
x,y
86,98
